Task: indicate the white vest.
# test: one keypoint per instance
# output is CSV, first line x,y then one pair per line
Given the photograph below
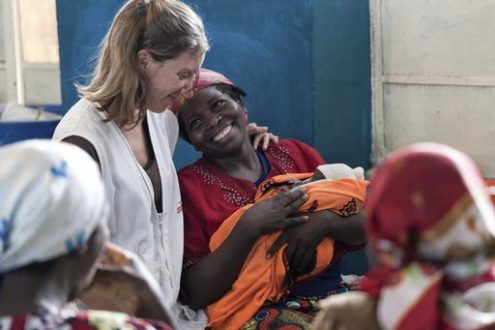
x,y
135,224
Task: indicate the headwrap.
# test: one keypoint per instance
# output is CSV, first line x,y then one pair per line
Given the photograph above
x,y
51,200
431,226
208,78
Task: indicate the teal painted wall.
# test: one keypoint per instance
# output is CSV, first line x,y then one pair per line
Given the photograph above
x,y
305,65
342,80
342,89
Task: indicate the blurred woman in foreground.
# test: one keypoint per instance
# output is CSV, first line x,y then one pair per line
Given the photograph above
x,y
431,227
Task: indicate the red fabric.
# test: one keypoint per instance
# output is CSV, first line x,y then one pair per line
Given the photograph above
x,y
400,194
425,314
417,197
209,196
85,320
491,183
209,78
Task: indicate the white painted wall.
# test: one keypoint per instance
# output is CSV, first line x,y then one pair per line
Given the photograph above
x,y
434,76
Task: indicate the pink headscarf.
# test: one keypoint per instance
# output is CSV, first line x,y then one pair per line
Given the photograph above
x,y
431,226
207,78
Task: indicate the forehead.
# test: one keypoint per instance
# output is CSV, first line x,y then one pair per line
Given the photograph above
x,y
186,60
200,100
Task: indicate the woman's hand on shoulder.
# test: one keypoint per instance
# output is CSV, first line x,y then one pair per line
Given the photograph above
x,y
275,213
261,135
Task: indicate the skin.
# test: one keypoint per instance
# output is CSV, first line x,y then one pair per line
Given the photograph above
x,y
165,82
215,124
61,280
122,283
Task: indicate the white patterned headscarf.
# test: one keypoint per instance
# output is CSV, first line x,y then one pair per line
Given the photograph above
x,y
51,200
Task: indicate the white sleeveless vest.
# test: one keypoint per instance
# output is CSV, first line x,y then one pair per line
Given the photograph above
x,y
135,224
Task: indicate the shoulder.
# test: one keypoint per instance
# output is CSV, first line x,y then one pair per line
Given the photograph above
x,y
83,119
191,171
294,145
192,177
82,109
294,156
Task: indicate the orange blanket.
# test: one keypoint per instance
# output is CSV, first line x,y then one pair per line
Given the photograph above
x,y
262,279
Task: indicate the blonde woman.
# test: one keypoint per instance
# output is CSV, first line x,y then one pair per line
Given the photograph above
x,y
148,60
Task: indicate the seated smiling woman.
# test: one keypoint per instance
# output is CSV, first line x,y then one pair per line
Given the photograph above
x,y
53,215
224,180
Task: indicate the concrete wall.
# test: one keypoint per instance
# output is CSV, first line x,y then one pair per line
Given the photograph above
x,y
434,76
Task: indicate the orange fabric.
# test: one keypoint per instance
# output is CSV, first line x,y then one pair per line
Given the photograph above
x,y
262,279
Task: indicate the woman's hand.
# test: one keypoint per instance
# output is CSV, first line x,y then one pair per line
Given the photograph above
x,y
209,279
275,213
347,311
123,283
303,240
261,135
302,243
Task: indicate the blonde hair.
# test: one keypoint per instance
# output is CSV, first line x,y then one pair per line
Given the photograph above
x,y
166,28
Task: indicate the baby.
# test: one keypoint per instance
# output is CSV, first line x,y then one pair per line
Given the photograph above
x,y
334,187
320,186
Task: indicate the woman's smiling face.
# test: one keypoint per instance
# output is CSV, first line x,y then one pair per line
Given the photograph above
x,y
214,122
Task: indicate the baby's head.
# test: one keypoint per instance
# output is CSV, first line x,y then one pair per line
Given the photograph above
x,y
281,183
285,182
337,171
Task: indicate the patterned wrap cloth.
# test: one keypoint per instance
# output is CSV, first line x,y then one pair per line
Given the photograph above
x,y
51,200
431,227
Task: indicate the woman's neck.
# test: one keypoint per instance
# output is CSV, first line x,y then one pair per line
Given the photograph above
x,y
139,141
242,165
28,292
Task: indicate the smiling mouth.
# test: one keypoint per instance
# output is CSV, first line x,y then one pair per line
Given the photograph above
x,y
223,133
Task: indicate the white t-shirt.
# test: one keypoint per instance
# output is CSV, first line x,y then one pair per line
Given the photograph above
x,y
135,224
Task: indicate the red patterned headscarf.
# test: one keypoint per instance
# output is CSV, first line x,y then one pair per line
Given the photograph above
x,y
431,227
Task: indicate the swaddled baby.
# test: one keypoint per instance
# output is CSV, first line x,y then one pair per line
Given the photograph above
x,y
334,187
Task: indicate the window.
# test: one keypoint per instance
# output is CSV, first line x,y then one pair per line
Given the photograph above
x,y
29,61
